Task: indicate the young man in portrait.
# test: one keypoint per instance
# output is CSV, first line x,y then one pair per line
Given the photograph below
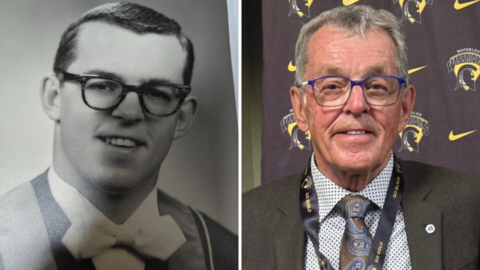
x,y
119,96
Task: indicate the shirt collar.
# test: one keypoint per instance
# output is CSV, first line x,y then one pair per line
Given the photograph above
x,y
329,194
74,204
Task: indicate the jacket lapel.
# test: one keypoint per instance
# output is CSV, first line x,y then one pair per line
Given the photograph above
x,y
289,244
57,224
425,245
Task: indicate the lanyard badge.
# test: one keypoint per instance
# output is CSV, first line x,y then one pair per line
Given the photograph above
x,y
378,250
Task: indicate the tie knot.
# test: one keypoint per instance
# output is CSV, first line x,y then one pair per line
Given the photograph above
x,y
354,206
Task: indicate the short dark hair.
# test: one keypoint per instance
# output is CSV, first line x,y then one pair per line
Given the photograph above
x,y
134,17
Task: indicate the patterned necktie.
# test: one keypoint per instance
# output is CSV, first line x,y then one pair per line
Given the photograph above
x,y
356,241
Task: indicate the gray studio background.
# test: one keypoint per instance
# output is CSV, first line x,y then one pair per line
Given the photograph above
x,y
202,167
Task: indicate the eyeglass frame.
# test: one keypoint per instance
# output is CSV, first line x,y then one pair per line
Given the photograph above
x,y
184,90
401,82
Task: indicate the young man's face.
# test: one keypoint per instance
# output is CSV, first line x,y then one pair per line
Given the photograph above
x,y
134,59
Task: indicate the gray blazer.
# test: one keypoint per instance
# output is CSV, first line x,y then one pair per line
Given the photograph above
x,y
33,225
273,235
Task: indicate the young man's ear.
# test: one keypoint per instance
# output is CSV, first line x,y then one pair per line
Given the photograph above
x,y
186,115
50,96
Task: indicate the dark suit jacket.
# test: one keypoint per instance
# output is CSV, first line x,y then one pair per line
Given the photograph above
x,y
273,235
33,225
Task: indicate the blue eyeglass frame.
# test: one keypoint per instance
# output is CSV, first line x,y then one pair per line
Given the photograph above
x,y
184,90
401,82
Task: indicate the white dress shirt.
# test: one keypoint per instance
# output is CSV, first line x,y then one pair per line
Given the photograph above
x,y
332,224
76,207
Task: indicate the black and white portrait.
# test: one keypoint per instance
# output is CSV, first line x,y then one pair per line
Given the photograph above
x,y
119,136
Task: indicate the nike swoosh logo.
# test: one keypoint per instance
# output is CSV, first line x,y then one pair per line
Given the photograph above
x,y
413,70
291,67
351,2
453,137
459,6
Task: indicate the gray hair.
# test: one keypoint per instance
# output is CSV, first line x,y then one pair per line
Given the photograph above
x,y
357,20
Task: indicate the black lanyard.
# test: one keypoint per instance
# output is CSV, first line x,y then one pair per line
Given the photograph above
x,y
311,222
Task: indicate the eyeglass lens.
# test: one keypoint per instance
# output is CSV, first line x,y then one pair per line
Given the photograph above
x,y
103,93
334,91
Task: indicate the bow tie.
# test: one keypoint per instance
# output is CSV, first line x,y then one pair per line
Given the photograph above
x,y
157,237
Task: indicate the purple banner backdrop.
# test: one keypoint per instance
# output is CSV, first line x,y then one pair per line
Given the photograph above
x,y
444,65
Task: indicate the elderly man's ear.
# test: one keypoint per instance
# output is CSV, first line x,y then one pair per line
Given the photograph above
x,y
186,115
50,96
408,102
299,104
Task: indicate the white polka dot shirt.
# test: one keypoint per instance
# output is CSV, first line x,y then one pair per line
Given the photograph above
x,y
332,224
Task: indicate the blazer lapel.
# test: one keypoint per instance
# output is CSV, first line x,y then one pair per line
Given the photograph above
x,y
425,245
289,244
57,224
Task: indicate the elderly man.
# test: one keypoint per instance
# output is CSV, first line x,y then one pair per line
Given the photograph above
x,y
356,206
119,96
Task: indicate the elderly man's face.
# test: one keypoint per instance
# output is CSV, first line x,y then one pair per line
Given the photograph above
x,y
86,135
333,129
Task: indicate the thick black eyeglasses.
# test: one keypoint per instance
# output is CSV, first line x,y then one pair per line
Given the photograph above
x,y
333,91
103,94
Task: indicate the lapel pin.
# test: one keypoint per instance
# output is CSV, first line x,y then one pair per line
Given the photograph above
x,y
430,228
